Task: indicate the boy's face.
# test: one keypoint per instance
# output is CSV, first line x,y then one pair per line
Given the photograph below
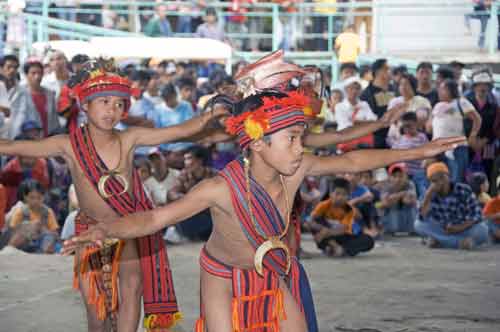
x,y
405,88
186,93
398,178
191,162
284,152
339,196
34,76
366,179
10,69
409,128
424,75
34,200
353,91
105,112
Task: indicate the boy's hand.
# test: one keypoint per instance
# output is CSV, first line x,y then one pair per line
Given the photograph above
x,y
392,115
94,235
441,145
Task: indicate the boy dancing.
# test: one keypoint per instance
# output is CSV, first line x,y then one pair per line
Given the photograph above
x,y
249,280
100,160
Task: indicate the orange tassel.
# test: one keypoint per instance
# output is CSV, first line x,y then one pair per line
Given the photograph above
x,y
236,318
280,307
101,307
199,326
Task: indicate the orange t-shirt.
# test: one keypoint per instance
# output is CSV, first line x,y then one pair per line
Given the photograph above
x,y
343,214
492,207
35,217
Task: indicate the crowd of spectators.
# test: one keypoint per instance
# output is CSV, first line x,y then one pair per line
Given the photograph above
x,y
447,201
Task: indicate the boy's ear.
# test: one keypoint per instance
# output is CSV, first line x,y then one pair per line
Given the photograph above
x,y
257,145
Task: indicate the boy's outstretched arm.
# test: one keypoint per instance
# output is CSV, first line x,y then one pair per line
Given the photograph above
x,y
187,131
356,131
47,147
139,224
362,160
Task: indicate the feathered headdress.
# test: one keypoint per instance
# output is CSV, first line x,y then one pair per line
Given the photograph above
x,y
97,78
266,113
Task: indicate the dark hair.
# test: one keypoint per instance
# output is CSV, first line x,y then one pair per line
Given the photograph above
x,y
9,57
210,11
452,87
475,182
446,72
184,82
224,80
28,186
348,65
401,69
425,65
340,183
27,66
364,69
412,80
378,65
255,101
140,75
79,59
200,153
168,90
409,116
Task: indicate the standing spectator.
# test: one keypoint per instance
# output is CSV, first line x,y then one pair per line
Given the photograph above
x,y
323,9
34,225
451,215
458,75
9,70
59,74
211,29
399,201
486,147
491,211
396,75
364,15
378,96
417,104
412,138
447,120
444,73
352,111
159,25
4,108
197,227
34,103
153,88
347,45
333,224
365,73
481,8
424,80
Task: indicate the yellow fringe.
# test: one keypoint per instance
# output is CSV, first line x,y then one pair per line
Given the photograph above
x,y
152,322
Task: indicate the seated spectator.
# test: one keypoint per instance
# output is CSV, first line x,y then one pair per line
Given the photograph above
x,y
480,185
450,213
187,91
3,206
312,191
352,111
411,138
172,112
199,226
399,201
19,169
417,104
363,200
162,178
491,212
333,224
447,120
34,226
153,88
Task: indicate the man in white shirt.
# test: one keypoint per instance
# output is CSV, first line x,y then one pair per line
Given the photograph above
x,y
162,178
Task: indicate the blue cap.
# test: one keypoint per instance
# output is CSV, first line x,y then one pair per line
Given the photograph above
x,y
30,125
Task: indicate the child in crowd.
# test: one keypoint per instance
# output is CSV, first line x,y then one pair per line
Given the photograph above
x,y
335,231
33,224
412,138
491,212
480,185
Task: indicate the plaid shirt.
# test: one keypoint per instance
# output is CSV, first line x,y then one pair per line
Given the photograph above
x,y
458,206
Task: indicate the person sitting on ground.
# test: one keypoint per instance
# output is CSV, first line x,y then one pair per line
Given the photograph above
x,y
34,225
333,225
199,226
480,185
491,211
362,199
399,201
450,213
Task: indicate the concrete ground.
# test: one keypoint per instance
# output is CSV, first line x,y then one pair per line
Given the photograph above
x,y
400,286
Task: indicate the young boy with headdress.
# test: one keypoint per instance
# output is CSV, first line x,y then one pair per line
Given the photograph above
x,y
100,160
249,279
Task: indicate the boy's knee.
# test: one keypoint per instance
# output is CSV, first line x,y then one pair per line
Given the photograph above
x,y
132,282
